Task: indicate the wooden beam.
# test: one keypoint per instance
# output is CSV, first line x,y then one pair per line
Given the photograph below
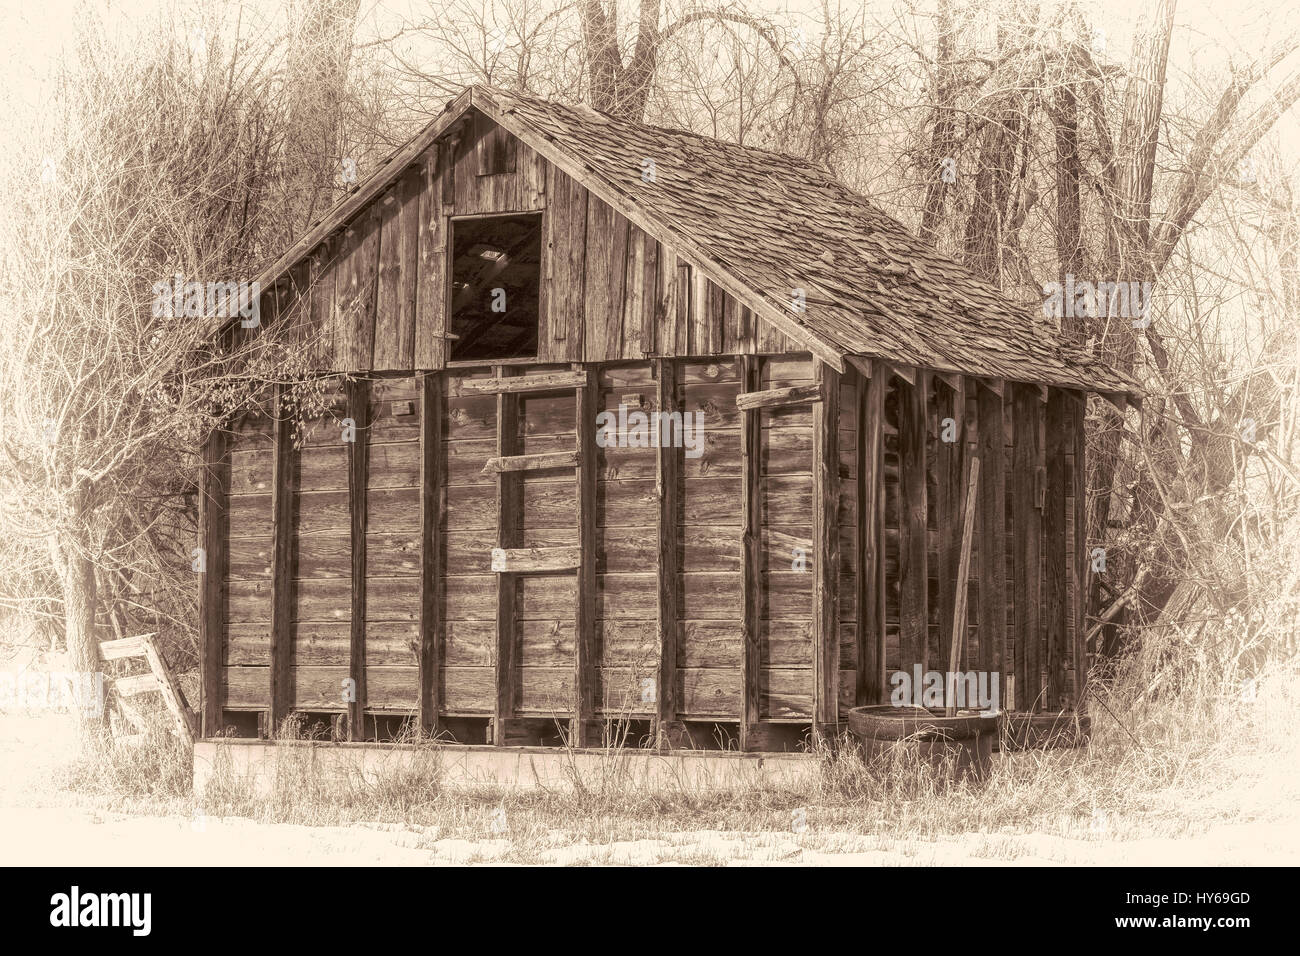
x,y
1056,600
284,494
1080,564
559,459
751,542
121,648
358,399
778,397
992,556
508,560
168,688
584,658
668,474
826,542
903,373
214,490
1027,528
431,577
541,382
949,468
137,684
912,559
510,501
870,686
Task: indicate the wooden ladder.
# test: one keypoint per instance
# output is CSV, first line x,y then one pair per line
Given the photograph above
x,y
158,678
510,559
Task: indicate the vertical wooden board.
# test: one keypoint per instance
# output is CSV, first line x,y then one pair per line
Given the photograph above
x,y
432,270
214,483
606,270
431,551
666,339
639,295
949,496
750,543
584,662
1026,521
509,498
870,686
1056,563
1080,564
358,398
355,288
560,337
284,496
388,280
991,529
321,274
912,564
826,561
668,470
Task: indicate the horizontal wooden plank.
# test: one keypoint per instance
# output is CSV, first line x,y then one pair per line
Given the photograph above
x,y
544,382
139,684
120,648
535,559
562,459
776,397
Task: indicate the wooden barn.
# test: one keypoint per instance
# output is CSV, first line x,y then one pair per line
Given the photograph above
x,y
764,526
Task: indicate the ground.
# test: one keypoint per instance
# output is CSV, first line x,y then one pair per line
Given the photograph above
x,y
40,828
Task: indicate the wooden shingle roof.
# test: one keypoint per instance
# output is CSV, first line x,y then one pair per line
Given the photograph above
x,y
763,225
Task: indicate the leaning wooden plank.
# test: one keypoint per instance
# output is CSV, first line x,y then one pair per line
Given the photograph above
x,y
559,459
1055,601
120,648
213,524
139,684
284,491
955,649
431,579
584,658
543,382
668,471
777,397
171,693
358,470
950,452
535,559
826,542
912,559
751,541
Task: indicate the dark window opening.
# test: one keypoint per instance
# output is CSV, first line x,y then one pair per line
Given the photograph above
x,y
495,284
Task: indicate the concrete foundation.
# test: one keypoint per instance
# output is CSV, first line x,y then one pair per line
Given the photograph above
x,y
257,763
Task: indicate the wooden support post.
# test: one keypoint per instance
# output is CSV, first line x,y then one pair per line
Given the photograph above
x,y
826,544
284,495
950,396
668,475
214,488
1027,528
913,637
358,404
509,511
870,687
1079,566
751,535
1056,600
431,578
584,657
992,557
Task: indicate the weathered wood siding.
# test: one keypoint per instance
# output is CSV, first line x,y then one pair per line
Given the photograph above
x,y
376,293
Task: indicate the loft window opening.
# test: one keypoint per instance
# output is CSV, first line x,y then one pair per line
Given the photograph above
x,y
495,286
